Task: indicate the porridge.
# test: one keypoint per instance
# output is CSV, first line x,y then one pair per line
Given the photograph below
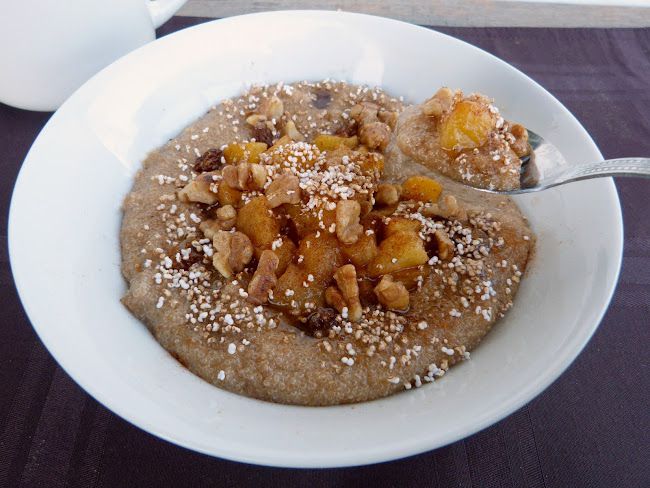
x,y
314,244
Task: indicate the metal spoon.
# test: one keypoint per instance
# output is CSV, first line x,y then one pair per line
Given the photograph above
x,y
547,168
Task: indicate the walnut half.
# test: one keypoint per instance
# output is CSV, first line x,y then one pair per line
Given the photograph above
x,y
348,228
264,278
291,130
227,216
346,279
284,189
210,228
245,176
447,208
233,251
272,108
392,294
334,299
445,245
439,103
375,135
200,189
387,194
372,132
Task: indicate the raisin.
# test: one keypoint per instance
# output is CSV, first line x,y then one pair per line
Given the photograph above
x,y
323,99
262,133
193,258
207,211
320,321
210,160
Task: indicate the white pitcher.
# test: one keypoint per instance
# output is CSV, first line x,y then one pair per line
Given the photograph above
x,y
48,48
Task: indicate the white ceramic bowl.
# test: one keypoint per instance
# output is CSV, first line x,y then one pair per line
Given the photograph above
x,y
65,217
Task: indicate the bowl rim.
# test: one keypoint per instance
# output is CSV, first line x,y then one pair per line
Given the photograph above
x,y
379,454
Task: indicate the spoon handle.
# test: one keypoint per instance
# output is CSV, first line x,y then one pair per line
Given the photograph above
x,y
610,167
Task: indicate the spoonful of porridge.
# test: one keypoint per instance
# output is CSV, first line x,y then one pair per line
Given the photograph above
x,y
466,139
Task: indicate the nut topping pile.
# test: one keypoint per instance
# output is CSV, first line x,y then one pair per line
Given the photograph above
x,y
304,223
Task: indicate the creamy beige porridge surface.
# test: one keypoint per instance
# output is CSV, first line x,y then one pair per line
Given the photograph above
x,y
207,321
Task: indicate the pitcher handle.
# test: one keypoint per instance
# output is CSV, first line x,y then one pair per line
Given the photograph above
x,y
162,10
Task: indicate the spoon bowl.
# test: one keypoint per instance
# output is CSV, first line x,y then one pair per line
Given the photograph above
x,y
546,167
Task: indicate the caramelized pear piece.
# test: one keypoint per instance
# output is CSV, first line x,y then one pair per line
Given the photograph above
x,y
256,220
467,126
421,189
328,142
398,251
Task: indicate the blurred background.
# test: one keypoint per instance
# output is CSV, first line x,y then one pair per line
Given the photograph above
x,y
467,13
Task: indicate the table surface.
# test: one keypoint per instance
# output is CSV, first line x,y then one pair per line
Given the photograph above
x,y
590,428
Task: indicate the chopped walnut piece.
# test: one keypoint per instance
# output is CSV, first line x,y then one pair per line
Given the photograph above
x,y
256,119
199,190
227,216
245,176
348,228
364,112
453,208
254,177
375,135
284,189
233,251
346,279
447,208
272,108
451,204
210,228
445,245
388,117
439,103
264,278
520,146
519,131
392,294
372,132
334,299
221,243
241,251
231,176
387,194
291,130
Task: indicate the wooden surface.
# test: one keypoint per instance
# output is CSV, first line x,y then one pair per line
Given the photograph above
x,y
476,13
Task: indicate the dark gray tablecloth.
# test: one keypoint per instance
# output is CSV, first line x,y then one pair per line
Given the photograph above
x,y
590,428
